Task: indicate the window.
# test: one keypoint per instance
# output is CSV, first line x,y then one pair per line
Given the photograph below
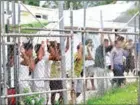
x,y
44,16
37,16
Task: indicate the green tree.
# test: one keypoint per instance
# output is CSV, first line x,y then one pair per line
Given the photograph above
x,y
134,10
32,2
76,4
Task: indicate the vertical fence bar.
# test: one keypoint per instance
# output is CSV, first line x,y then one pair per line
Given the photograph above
x,y
15,47
139,60
135,29
139,88
101,89
83,37
18,50
62,46
4,55
8,48
72,54
0,61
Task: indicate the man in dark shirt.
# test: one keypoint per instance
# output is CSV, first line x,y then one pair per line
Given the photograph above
x,y
99,54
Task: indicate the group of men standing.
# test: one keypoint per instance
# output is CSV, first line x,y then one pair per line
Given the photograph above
x,y
46,64
117,56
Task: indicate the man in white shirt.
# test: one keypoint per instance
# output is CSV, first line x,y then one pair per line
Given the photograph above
x,y
26,66
89,61
42,69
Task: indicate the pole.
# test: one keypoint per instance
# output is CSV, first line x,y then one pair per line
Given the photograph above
x,y
84,70
35,35
135,29
101,86
19,17
129,21
4,54
18,49
72,55
8,48
139,88
33,93
15,48
62,40
77,78
0,60
139,61
81,31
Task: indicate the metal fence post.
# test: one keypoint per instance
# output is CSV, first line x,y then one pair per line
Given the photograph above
x,y
139,60
62,46
15,49
72,56
4,54
83,39
8,47
139,88
0,60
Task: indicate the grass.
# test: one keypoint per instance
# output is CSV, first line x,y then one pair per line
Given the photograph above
x,y
123,96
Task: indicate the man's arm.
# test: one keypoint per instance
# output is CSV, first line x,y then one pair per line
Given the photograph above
x,y
89,57
125,53
31,64
67,45
112,59
28,62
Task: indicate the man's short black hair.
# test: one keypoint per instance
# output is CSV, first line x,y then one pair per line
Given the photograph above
x,y
115,42
78,47
37,47
116,35
87,41
106,40
116,30
28,46
121,38
109,48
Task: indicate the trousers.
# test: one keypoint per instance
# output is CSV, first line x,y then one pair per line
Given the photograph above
x,y
118,71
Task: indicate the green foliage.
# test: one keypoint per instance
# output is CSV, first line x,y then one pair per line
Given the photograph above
x,y
32,2
133,11
122,96
104,2
77,4
33,99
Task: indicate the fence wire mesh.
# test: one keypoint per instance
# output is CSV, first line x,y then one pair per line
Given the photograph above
x,y
40,77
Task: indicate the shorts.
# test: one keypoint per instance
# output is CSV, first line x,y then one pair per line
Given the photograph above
x,y
78,86
90,71
25,85
56,84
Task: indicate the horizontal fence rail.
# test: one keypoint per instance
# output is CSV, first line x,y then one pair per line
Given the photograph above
x,y
26,94
83,31
51,79
35,35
